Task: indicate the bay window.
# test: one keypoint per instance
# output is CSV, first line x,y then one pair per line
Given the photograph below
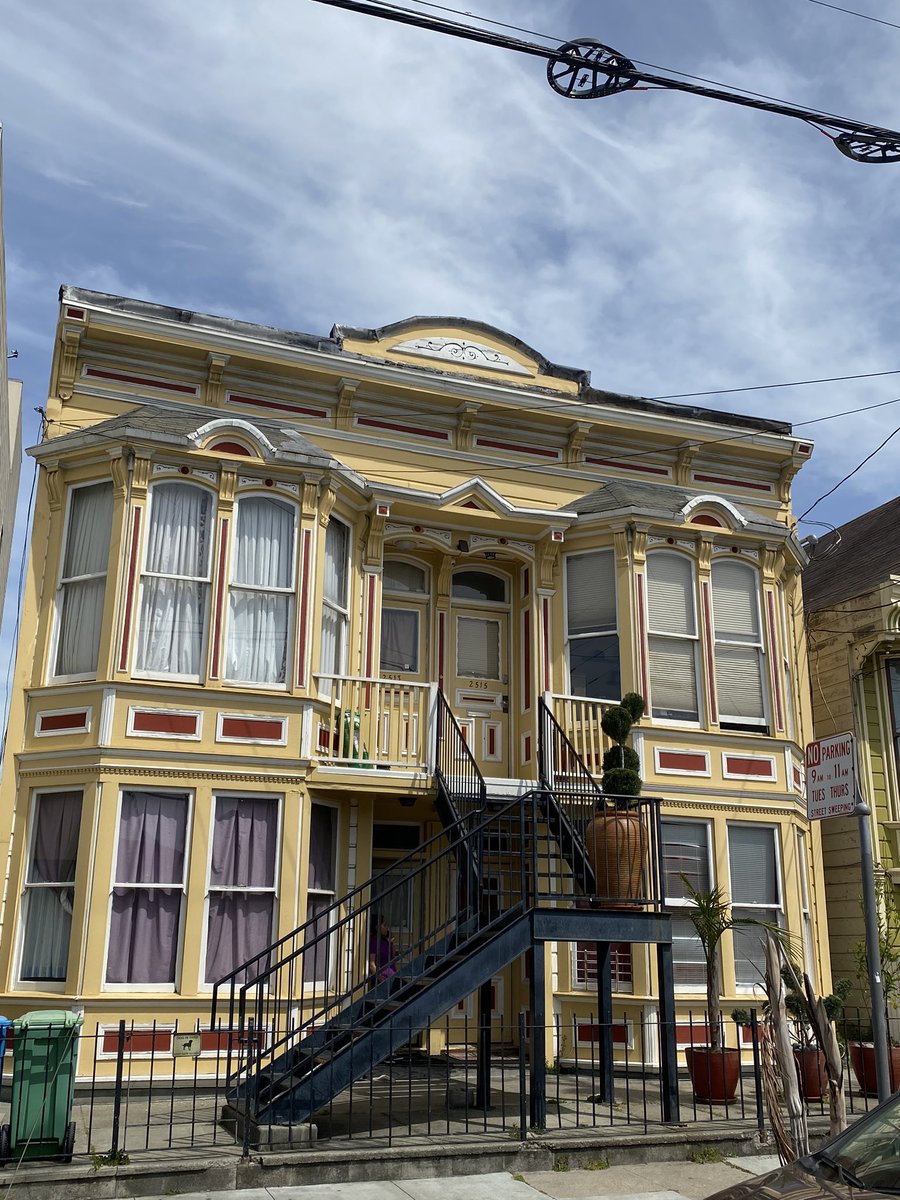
x,y
261,595
242,874
738,646
148,892
82,585
318,962
673,641
686,852
49,890
592,638
176,580
755,894
335,598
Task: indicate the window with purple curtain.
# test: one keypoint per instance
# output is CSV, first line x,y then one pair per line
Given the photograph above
x,y
145,920
242,873
318,960
49,887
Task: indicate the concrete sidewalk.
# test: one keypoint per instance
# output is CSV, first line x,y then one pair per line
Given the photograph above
x,y
644,1181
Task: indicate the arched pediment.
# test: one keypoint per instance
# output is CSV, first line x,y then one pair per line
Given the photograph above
x,y
228,434
714,511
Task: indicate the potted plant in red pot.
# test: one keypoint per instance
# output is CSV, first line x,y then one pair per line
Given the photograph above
x,y
808,1055
861,1049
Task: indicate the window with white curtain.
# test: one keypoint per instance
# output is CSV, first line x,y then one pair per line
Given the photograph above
x,y
755,894
242,875
685,847
592,638
739,646
335,598
148,892
261,596
672,641
401,624
82,585
175,582
318,961
49,891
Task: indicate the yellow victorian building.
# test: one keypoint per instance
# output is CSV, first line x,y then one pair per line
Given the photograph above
x,y
320,629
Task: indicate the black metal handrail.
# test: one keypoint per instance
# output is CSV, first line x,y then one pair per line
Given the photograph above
x,y
455,767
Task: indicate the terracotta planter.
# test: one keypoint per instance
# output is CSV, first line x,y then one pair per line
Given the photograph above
x,y
862,1060
714,1073
617,851
813,1080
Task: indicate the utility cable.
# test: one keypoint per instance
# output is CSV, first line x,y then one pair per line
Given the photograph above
x,y
850,474
851,12
765,387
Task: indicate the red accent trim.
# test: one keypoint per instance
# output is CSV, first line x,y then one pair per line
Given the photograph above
x,y
526,581
526,660
160,721
695,1034
231,448
741,765
370,617
710,667
495,445
138,1041
471,504
282,406
626,466
212,1040
129,592
440,435
77,314
441,635
682,760
804,449
220,595
527,747
703,519
740,483
492,739
545,640
592,1033
304,607
162,385
261,729
57,721
642,629
798,778
776,669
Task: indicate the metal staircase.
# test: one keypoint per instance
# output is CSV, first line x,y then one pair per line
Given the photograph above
x,y
308,1017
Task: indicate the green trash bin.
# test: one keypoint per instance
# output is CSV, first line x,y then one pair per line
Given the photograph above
x,y
45,1044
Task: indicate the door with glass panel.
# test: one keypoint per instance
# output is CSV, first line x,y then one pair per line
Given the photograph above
x,y
479,665
400,714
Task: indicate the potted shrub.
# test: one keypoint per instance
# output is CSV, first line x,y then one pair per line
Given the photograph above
x,y
715,1068
616,839
808,1055
861,1048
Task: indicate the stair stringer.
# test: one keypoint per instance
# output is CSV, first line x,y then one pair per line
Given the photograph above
x,y
571,846
423,1008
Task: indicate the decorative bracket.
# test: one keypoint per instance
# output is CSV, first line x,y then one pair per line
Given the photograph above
x,y
214,378
344,413
70,340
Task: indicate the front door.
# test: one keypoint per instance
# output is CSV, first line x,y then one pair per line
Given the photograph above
x,y
479,652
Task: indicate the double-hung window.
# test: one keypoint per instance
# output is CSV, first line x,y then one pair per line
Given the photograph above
x,y
592,638
242,874
672,641
685,846
319,958
755,895
148,893
739,648
261,598
335,598
49,891
82,585
402,617
893,679
175,583
585,966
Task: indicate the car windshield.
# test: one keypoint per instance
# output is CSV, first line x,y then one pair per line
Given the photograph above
x,y
868,1154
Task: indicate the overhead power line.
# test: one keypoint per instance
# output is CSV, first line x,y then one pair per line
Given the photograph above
x,y
765,387
586,69
849,474
851,12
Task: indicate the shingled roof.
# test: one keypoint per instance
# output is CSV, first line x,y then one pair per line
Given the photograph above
x,y
663,499
854,558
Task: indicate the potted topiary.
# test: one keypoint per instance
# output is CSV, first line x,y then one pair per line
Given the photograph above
x,y
616,839
808,1055
715,1068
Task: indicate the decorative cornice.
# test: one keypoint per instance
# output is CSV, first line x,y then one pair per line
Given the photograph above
x,y
461,351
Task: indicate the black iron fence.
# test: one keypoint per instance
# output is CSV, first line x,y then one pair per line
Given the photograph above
x,y
161,1089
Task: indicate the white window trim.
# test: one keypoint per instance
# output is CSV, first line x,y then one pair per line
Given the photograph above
x,y
746,989
765,721
691,989
577,637
343,612
61,581
203,987
290,591
477,568
39,985
806,919
173,988
327,986
694,638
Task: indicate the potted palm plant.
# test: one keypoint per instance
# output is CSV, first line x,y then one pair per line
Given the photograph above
x,y
715,1068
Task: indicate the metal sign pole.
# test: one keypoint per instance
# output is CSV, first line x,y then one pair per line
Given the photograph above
x,y
873,948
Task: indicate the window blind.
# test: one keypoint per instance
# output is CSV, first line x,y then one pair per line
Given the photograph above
x,y
735,608
591,592
754,872
673,678
739,683
478,647
670,584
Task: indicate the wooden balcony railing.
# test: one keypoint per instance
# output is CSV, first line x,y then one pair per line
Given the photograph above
x,y
366,723
579,719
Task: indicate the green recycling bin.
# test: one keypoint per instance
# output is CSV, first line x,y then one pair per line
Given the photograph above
x,y
45,1044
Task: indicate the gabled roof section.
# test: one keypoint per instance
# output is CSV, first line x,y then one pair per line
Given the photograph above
x,y
854,558
667,501
179,430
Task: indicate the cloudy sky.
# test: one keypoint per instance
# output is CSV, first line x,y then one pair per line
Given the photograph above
x,y
289,163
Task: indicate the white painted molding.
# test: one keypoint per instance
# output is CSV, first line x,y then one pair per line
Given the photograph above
x,y
460,350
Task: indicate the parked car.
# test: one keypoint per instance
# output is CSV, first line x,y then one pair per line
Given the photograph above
x,y
863,1159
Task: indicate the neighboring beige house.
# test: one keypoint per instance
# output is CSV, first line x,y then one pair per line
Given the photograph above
x,y
851,592
10,422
